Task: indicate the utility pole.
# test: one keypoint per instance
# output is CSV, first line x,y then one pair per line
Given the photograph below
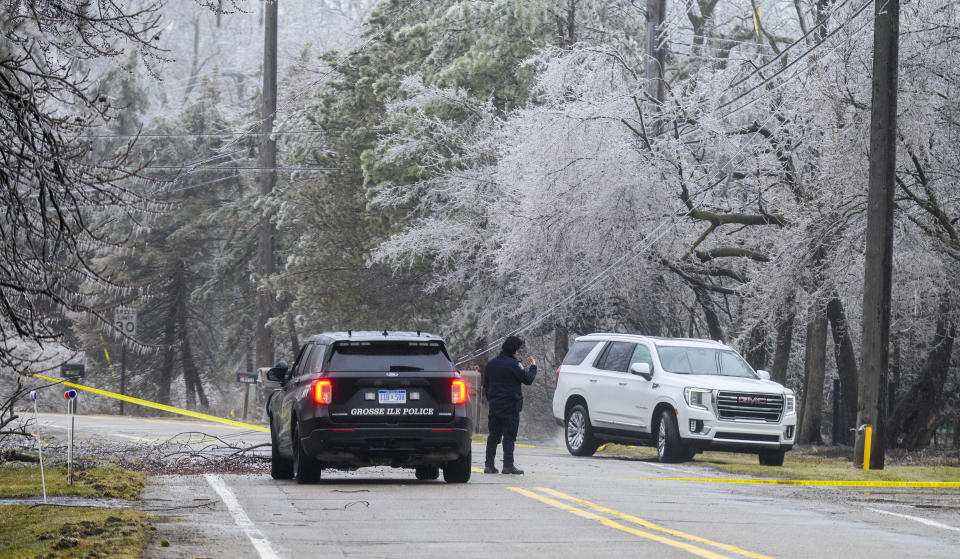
x,y
268,178
874,357
656,13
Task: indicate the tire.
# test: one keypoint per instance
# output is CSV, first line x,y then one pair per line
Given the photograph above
x,y
458,471
772,458
669,446
280,467
578,433
428,472
306,469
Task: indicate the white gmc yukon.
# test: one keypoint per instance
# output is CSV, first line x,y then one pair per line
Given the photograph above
x,y
681,395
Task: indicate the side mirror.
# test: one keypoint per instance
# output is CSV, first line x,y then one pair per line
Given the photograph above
x,y
278,373
764,375
264,380
641,369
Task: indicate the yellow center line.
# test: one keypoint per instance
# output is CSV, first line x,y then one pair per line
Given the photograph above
x,y
833,483
699,551
652,526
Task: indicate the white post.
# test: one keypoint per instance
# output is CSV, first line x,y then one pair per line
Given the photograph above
x,y
36,419
70,405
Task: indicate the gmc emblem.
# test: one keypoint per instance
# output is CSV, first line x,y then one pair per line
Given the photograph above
x,y
751,400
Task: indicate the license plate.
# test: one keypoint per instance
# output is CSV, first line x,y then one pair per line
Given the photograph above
x,y
392,396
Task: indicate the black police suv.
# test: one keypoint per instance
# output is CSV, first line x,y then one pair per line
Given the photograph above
x,y
355,399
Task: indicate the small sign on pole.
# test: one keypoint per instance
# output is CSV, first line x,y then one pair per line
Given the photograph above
x,y
71,396
125,319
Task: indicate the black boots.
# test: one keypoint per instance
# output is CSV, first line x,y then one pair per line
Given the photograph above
x,y
490,470
512,470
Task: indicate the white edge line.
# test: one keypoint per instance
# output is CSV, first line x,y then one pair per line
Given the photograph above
x,y
259,541
933,523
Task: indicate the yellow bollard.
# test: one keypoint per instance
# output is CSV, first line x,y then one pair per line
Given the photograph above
x,y
867,444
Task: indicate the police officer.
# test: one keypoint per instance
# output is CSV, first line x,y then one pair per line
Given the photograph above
x,y
502,381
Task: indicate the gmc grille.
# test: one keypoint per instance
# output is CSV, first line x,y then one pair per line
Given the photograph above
x,y
749,406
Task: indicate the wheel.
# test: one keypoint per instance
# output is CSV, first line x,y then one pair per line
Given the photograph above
x,y
772,458
428,472
457,471
579,432
306,469
280,467
669,446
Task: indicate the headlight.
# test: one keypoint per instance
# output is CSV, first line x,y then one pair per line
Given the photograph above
x,y
697,398
790,404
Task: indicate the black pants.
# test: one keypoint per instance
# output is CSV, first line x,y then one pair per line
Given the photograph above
x,y
503,422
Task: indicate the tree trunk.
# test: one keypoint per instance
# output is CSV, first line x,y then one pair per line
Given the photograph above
x,y
846,365
561,343
166,373
756,350
914,419
710,314
814,368
781,356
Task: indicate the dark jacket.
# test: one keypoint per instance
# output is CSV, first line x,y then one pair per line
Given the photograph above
x,y
502,381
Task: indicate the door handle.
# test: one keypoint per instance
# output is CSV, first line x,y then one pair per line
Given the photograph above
x,y
622,384
593,380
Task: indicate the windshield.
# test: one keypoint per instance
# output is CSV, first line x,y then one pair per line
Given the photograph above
x,y
389,356
704,361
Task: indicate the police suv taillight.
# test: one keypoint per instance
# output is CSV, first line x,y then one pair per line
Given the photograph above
x,y
556,378
323,391
458,391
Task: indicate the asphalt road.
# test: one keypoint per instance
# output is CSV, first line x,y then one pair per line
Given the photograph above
x,y
563,507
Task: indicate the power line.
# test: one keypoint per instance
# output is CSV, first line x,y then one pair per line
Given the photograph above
x,y
799,71
230,134
794,61
182,168
797,42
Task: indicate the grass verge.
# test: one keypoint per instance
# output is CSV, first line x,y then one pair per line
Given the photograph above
x,y
108,482
29,531
801,465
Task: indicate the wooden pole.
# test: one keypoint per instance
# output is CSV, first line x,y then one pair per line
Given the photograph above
x,y
878,266
268,178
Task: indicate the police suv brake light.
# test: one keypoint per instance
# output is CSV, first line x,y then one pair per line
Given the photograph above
x,y
458,392
323,391
556,378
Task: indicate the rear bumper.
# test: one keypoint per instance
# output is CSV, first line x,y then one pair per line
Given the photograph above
x,y
366,445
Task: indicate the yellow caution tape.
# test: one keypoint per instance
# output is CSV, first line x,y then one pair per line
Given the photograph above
x,y
835,483
156,406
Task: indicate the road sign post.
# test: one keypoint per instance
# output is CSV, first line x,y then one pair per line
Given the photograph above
x,y
125,320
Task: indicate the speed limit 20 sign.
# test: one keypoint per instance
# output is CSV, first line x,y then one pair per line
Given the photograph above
x,y
125,319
